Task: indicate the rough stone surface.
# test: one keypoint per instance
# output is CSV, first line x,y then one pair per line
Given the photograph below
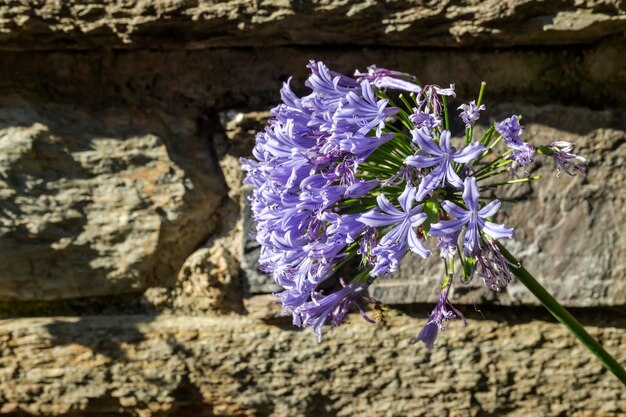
x,y
75,24
233,366
121,126
201,83
98,203
208,282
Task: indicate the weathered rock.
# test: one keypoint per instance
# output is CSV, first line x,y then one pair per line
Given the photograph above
x,y
140,23
201,83
265,307
96,203
208,282
237,141
234,366
113,169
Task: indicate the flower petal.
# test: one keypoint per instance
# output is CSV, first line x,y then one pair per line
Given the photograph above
x,y
470,241
428,334
497,231
387,207
454,210
407,198
469,153
444,142
374,218
490,209
471,194
430,182
397,234
446,227
419,218
417,245
422,161
423,139
452,176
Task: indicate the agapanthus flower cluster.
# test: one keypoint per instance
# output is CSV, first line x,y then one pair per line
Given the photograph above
x,y
364,170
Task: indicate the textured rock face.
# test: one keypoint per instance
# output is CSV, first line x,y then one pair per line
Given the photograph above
x,y
96,204
234,366
192,83
208,282
121,215
142,23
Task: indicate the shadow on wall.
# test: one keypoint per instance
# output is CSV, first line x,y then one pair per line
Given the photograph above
x,y
115,370
98,204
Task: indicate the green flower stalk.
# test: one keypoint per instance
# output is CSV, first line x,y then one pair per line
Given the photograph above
x,y
562,315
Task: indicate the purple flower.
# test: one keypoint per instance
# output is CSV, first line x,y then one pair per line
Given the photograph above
x,y
445,91
386,258
405,221
523,154
440,158
561,151
328,85
360,145
470,113
318,165
428,101
384,78
447,245
359,188
429,333
333,306
428,121
345,225
510,129
364,111
444,311
493,267
473,217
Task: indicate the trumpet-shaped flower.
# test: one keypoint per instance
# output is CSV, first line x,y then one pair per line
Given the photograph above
x,y
364,111
470,113
444,311
510,129
474,218
439,157
404,220
561,151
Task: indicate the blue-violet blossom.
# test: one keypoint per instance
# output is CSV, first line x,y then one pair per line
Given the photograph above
x,y
360,172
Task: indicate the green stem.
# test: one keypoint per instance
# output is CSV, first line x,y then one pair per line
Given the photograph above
x,y
480,93
562,315
490,174
493,164
526,179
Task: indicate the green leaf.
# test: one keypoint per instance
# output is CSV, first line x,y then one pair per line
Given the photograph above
x,y
431,209
468,264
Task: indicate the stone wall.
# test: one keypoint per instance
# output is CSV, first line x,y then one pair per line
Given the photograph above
x,y
128,286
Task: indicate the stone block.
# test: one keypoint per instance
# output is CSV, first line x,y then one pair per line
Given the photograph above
x,y
99,203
